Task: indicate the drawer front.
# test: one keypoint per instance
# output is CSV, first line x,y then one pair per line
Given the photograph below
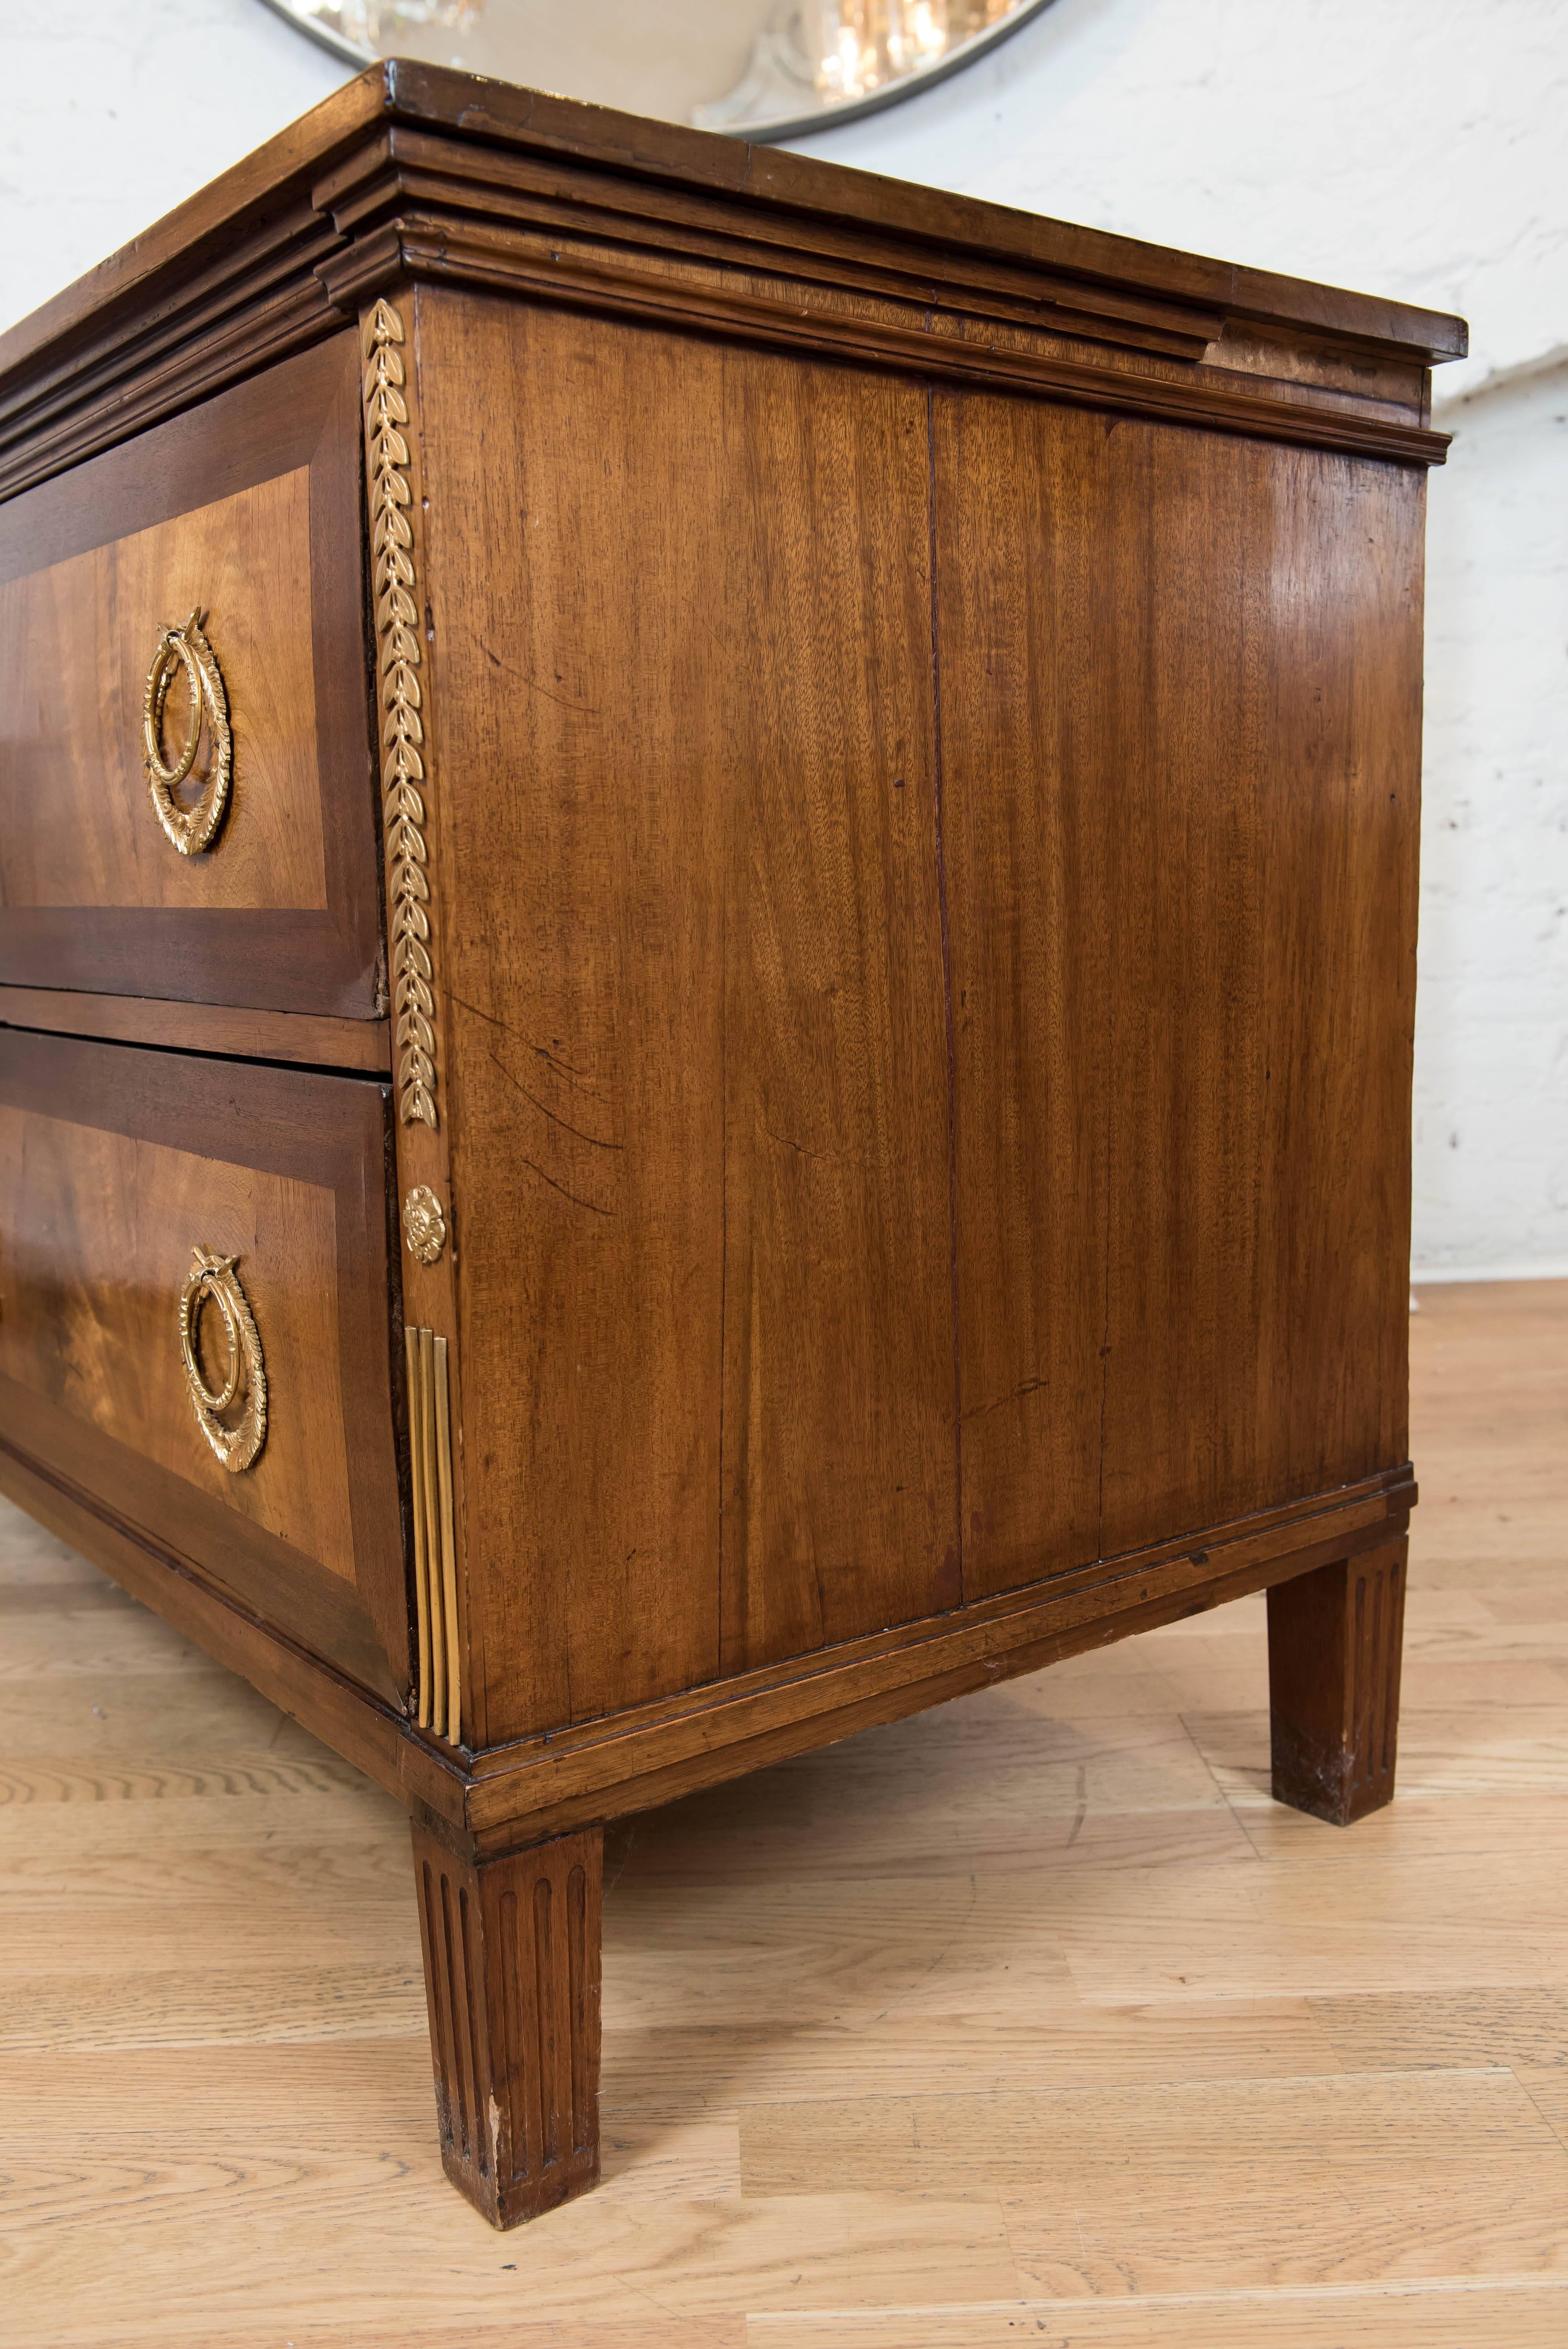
x,y
245,512
116,1167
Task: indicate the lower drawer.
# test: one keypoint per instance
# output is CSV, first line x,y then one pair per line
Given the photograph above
x,y
196,1328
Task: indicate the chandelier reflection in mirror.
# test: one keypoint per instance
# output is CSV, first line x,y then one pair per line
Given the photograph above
x,y
760,69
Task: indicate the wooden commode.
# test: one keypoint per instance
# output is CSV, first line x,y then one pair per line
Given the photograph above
x,y
707,916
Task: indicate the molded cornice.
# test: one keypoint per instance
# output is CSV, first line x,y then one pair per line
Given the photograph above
x,y
413,172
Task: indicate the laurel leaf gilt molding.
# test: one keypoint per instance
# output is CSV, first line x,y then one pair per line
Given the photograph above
x,y
402,726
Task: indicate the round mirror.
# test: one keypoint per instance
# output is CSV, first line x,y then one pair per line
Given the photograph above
x,y
762,68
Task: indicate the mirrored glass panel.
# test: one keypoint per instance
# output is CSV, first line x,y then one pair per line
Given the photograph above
x,y
762,68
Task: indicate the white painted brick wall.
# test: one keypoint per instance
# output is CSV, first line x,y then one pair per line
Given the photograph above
x,y
113,111
1411,147
1491,1037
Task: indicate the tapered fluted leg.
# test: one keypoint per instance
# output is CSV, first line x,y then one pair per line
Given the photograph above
x,y
511,1974
1335,1642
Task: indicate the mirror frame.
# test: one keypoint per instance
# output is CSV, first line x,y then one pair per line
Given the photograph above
x,y
764,134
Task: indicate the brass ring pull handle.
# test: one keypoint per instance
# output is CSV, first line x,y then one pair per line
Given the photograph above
x,y
189,829
214,1276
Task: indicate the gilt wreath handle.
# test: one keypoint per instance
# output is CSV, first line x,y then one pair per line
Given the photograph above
x,y
236,1445
189,829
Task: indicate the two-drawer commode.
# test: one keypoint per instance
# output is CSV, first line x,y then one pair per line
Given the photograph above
x,y
707,891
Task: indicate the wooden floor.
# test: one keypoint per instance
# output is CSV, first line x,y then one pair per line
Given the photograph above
x,y
1032,2019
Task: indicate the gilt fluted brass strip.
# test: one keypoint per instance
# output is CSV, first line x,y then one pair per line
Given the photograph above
x,y
402,727
448,1539
433,1531
421,1555
439,1689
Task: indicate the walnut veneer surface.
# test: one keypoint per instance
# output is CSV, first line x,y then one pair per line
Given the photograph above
x,y
790,1064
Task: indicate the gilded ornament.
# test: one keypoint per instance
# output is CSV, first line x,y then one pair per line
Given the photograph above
x,y
424,1226
214,1278
189,830
438,1693
402,728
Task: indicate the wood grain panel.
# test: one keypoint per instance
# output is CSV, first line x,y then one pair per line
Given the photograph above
x,y
1264,807
365,1044
682,696
580,833
114,1164
98,1245
1030,614
249,510
840,1465
1180,696
78,637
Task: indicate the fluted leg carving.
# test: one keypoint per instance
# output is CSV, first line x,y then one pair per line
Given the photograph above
x,y
511,1974
1336,1636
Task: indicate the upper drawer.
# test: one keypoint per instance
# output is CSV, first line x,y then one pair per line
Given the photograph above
x,y
117,1166
248,512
